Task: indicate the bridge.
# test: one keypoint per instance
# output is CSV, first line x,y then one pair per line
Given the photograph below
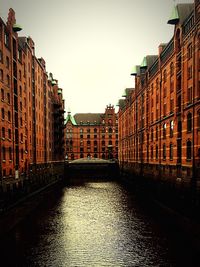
x,y
91,168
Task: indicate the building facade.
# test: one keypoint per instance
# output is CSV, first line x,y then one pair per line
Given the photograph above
x,y
159,120
92,135
31,107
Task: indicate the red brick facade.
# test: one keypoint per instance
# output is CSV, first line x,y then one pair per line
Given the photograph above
x,y
92,135
159,120
29,101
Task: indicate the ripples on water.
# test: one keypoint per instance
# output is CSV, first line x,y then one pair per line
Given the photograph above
x,y
95,224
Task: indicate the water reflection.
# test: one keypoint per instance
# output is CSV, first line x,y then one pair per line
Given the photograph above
x,y
96,224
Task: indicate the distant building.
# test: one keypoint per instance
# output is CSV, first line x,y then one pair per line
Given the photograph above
x,y
159,120
31,106
92,135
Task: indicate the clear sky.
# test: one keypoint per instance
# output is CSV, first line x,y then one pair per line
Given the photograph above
x,y
91,45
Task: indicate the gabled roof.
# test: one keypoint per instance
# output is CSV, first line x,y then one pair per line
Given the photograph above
x,y
70,118
88,118
180,12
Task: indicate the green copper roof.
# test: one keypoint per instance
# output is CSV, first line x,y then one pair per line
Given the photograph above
x,y
174,18
70,118
53,82
144,63
59,91
124,93
17,28
135,70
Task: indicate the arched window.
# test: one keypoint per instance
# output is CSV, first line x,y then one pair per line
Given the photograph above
x,y
189,149
110,130
189,122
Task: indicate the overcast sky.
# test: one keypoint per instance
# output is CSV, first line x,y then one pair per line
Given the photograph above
x,y
91,45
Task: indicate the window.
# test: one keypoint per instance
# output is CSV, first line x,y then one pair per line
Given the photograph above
x,y
95,130
171,151
171,86
6,39
1,56
2,114
189,122
2,94
189,72
103,143
164,151
20,75
3,153
152,134
171,105
171,128
3,132
110,130
165,76
165,109
164,130
189,150
95,143
156,133
88,130
8,80
88,142
110,142
88,136
8,97
9,133
1,74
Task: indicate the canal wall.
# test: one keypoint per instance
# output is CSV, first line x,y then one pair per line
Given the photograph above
x,y
176,200
13,191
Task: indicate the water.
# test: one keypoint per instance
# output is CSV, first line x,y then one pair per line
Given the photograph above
x,y
94,224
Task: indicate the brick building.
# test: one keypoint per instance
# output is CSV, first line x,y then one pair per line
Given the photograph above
x,y
31,107
159,120
92,135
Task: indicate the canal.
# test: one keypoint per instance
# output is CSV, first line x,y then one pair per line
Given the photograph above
x,y
94,224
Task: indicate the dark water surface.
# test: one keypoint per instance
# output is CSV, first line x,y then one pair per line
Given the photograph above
x,y
94,224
